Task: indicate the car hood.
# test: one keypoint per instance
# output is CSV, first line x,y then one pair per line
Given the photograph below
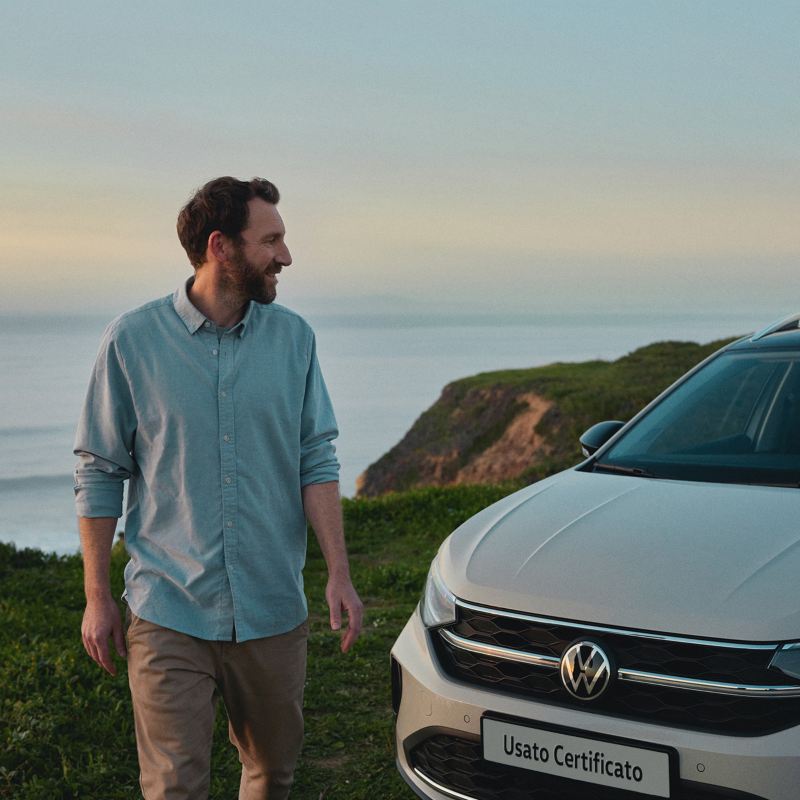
x,y
687,558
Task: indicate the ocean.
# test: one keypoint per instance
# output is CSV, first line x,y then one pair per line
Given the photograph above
x,y
382,372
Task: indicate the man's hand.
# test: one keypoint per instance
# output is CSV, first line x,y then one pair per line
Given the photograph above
x,y
101,619
341,596
101,622
323,509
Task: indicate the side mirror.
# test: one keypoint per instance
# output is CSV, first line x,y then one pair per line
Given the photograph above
x,y
593,439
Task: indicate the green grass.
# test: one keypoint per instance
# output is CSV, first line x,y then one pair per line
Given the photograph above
x,y
66,727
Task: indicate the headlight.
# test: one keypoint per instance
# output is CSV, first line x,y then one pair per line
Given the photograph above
x,y
787,660
438,605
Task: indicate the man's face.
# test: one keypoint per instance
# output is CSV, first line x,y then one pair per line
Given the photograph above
x,y
252,271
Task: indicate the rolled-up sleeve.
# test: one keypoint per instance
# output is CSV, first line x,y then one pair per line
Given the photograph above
x,y
104,442
318,462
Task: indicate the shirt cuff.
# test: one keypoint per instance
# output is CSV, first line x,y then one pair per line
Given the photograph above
x,y
99,500
320,475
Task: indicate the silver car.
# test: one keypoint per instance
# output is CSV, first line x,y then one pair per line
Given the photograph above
x,y
628,628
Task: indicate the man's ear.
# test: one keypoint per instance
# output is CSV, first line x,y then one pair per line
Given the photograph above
x,y
218,247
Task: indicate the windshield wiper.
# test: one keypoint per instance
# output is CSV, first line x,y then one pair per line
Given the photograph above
x,y
774,485
637,471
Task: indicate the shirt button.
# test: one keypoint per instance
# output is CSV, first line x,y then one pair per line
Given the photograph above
x,y
214,352
224,394
227,480
226,437
207,324
230,524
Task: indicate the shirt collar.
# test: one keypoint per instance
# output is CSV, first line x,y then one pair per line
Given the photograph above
x,y
193,318
246,318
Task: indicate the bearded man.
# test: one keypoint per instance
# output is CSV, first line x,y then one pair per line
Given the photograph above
x,y
211,403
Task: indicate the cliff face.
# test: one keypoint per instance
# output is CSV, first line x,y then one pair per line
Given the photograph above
x,y
524,424
481,435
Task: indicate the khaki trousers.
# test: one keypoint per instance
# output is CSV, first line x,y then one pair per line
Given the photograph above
x,y
175,680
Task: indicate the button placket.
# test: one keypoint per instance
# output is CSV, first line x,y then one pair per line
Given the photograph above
x,y
227,449
226,603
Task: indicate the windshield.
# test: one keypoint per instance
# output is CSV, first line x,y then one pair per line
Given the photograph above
x,y
735,420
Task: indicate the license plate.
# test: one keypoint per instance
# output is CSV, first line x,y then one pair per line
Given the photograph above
x,y
598,761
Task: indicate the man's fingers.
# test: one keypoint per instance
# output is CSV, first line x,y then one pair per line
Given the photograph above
x,y
354,616
104,657
89,648
342,597
350,635
355,613
348,639
101,622
99,654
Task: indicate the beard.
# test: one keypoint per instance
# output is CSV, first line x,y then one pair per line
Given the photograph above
x,y
242,280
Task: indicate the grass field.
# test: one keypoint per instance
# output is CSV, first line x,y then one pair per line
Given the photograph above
x,y
66,727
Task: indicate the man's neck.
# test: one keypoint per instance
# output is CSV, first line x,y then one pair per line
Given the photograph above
x,y
206,295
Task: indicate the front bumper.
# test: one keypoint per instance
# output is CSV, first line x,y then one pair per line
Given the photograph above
x,y
430,703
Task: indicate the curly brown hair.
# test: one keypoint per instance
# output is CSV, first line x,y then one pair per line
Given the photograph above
x,y
220,205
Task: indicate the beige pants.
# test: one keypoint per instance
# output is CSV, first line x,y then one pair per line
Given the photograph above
x,y
175,680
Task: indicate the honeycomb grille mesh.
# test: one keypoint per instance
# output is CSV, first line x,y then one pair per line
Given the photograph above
x,y
690,709
458,764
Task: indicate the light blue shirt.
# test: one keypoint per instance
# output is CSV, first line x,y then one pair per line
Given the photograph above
x,y
217,432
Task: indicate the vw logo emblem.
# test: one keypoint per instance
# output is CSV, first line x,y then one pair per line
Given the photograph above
x,y
585,670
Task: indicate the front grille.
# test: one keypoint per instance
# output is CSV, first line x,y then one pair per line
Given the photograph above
x,y
457,765
707,661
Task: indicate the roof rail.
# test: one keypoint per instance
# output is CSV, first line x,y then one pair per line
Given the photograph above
x,y
785,324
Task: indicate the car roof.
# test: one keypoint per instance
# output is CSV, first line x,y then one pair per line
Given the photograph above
x,y
781,334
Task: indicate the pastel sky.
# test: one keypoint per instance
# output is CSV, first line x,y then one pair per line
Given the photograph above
x,y
504,155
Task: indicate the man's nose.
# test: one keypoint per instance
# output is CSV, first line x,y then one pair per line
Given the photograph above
x,y
284,257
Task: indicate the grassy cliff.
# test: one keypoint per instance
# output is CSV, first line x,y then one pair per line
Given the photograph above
x,y
524,424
